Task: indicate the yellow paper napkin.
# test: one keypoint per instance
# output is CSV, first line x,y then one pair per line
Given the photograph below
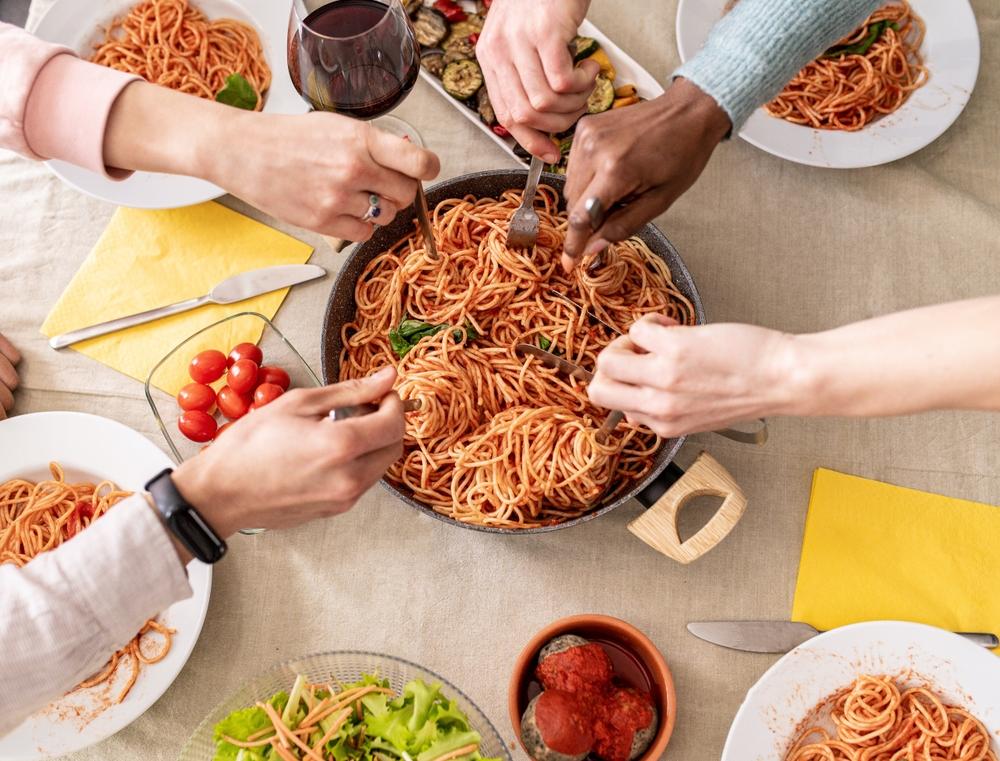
x,y
873,551
146,259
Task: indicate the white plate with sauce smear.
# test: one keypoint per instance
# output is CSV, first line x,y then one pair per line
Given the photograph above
x,y
772,713
78,25
950,51
94,448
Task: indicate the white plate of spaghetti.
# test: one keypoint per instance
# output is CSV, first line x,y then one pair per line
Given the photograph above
x,y
86,464
245,37
888,89
873,691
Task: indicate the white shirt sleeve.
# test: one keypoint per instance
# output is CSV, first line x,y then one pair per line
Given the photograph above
x,y
63,614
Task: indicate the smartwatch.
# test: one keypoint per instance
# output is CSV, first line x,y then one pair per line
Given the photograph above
x,y
183,520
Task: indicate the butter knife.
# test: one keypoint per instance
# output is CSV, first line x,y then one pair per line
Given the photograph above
x,y
246,285
782,636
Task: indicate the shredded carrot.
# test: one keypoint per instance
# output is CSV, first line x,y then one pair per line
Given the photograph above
x,y
458,753
334,728
282,730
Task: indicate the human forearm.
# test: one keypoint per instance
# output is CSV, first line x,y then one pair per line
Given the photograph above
x,y
758,47
938,357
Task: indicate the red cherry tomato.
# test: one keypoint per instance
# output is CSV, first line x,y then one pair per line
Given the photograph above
x,y
275,375
242,376
207,366
233,405
222,428
266,393
245,351
501,130
196,396
197,425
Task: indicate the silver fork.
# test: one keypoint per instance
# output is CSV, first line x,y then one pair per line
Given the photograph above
x,y
523,230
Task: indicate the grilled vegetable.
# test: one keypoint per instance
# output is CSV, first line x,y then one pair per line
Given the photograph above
x,y
622,102
485,108
472,25
430,28
459,49
626,91
462,79
607,68
412,6
583,47
433,61
603,96
484,5
451,10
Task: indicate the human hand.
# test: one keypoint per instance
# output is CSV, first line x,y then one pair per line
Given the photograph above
x,y
648,154
9,357
318,170
286,463
533,85
678,379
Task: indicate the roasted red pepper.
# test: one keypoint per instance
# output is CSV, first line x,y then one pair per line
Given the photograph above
x,y
474,38
501,130
451,10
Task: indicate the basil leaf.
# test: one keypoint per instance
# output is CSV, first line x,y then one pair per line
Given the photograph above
x,y
862,47
544,343
399,344
238,93
409,328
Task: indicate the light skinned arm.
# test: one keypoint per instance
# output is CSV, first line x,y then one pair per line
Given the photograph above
x,y
681,380
280,466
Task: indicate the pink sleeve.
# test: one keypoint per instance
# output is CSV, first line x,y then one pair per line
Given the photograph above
x,y
52,104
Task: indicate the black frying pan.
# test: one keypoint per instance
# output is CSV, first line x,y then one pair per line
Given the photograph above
x,y
341,308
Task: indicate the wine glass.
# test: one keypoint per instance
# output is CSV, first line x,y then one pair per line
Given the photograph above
x,y
358,58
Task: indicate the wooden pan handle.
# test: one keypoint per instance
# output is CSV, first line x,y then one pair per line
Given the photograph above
x,y
658,526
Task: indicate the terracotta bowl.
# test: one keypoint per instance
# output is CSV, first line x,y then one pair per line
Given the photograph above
x,y
635,657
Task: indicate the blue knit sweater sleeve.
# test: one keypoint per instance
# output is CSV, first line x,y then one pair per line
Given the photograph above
x,y
756,49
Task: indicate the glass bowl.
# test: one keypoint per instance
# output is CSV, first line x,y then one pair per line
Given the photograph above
x,y
170,373
341,666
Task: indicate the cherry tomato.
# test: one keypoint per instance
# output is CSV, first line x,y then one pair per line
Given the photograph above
x,y
197,425
275,375
233,405
196,396
245,351
451,11
266,393
501,130
207,366
242,376
222,428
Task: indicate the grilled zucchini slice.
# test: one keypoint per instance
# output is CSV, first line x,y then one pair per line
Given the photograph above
x,y
458,49
485,108
462,79
430,27
433,61
602,98
583,47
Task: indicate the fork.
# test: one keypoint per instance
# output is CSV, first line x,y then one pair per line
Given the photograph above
x,y
523,230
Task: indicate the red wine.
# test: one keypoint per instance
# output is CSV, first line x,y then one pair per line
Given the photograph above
x,y
354,57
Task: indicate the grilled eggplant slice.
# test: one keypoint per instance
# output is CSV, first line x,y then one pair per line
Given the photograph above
x,y
412,6
472,25
462,79
602,98
485,108
460,49
430,27
433,61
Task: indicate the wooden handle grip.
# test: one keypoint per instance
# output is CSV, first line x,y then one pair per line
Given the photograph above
x,y
658,526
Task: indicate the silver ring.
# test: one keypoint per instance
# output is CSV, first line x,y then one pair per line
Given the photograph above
x,y
374,209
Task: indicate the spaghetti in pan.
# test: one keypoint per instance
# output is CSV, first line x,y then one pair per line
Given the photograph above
x,y
500,440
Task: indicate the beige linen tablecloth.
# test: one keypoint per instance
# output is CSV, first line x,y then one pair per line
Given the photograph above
x,y
768,242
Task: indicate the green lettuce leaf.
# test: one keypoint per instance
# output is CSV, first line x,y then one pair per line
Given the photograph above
x,y
239,725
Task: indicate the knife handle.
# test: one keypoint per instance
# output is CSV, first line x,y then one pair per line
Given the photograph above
x,y
111,326
658,526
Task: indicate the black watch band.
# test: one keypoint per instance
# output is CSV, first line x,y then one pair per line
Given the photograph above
x,y
183,520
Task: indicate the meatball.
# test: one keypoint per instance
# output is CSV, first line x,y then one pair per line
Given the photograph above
x,y
573,664
556,727
626,723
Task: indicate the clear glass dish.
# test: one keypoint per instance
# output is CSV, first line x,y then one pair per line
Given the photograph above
x,y
162,383
342,666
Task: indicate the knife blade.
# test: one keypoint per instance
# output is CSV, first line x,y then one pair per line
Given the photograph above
x,y
231,290
555,362
581,308
782,636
